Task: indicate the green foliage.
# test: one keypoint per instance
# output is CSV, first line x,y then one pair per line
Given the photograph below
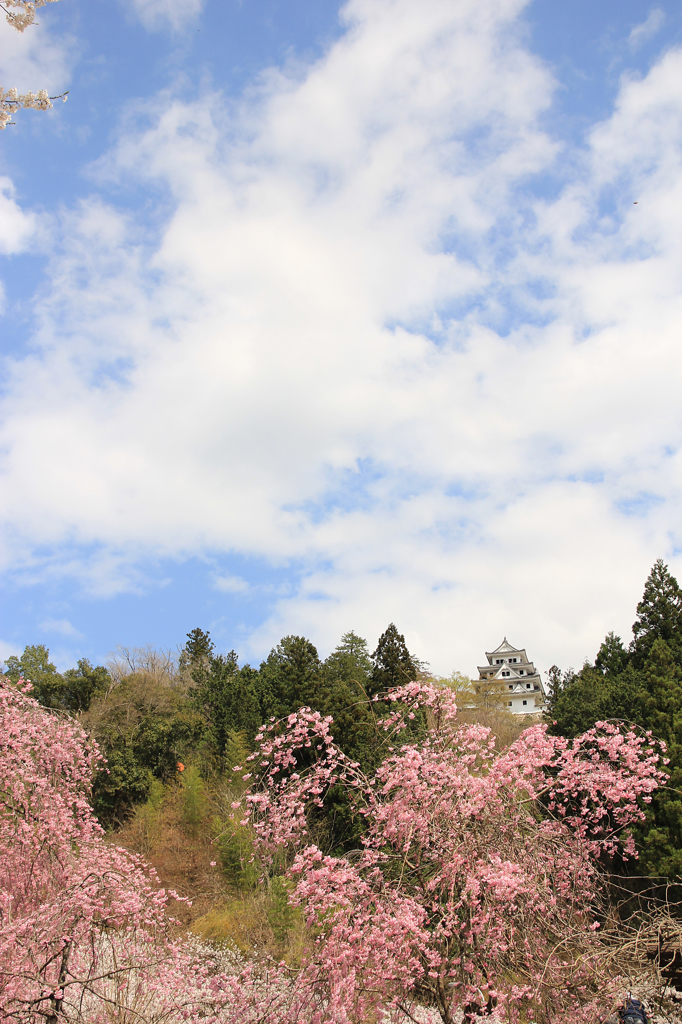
x,y
659,615
589,696
35,665
291,676
661,711
194,799
199,646
237,749
643,686
351,660
392,663
343,695
123,783
612,657
73,691
558,682
236,852
281,915
145,727
227,699
147,819
82,685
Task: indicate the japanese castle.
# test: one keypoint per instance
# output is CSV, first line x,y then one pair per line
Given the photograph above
x,y
509,668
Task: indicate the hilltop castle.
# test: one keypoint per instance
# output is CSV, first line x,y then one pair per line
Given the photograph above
x,y
510,670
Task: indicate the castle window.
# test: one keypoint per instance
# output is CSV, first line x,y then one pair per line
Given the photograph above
x,y
510,704
511,686
528,686
525,702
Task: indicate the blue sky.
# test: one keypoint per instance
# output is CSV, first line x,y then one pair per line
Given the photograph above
x,y
319,316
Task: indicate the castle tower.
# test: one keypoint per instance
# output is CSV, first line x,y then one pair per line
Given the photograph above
x,y
515,678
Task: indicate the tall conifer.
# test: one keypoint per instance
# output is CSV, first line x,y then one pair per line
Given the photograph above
x,y
392,663
659,615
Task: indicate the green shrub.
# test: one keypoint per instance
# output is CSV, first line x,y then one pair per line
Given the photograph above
x,y
194,802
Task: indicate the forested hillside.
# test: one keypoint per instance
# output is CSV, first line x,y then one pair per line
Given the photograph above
x,y
150,711
445,875
349,838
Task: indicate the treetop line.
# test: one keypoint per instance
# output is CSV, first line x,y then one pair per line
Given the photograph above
x,y
437,866
466,871
149,711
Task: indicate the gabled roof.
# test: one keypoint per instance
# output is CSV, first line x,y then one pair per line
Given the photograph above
x,y
510,672
518,674
504,648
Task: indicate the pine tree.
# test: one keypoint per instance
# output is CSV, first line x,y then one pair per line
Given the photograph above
x,y
350,660
199,645
227,698
612,656
660,836
347,673
292,674
392,663
659,615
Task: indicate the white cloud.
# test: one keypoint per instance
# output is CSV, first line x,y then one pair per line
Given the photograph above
x,y
62,626
16,226
178,15
365,344
647,29
37,58
230,584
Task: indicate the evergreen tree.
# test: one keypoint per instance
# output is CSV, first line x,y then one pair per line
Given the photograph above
x,y
660,700
643,686
291,676
346,674
350,660
392,663
199,645
659,615
558,683
590,696
227,699
661,693
612,657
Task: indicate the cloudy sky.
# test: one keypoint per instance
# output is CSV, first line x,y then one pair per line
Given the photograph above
x,y
320,316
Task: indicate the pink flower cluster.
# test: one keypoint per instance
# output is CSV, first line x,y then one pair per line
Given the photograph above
x,y
474,885
83,924
477,872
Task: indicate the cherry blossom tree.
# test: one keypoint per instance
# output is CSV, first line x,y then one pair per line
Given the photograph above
x,y
20,14
83,926
476,884
85,934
